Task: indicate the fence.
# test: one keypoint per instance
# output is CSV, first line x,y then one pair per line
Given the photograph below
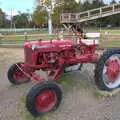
x,y
106,40
9,30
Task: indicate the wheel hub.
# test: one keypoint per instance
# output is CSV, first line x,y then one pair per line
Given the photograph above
x,y
19,76
46,101
113,69
19,73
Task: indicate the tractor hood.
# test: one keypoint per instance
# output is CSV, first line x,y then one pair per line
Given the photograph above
x,y
49,45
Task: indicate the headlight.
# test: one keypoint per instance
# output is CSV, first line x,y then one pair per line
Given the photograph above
x,y
33,47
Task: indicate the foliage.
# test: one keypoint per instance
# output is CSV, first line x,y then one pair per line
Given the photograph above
x,y
113,20
40,16
21,20
56,16
68,7
2,18
112,2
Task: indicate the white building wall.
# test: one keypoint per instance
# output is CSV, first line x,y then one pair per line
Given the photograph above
x,y
88,1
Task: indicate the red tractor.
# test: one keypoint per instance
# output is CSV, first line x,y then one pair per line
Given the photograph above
x,y
56,57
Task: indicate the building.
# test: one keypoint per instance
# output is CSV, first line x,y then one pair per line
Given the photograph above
x,y
89,1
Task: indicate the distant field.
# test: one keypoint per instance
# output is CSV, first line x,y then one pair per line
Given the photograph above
x,y
19,38
22,31
110,44
112,31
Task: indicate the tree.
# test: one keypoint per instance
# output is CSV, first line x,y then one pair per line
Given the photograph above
x,y
2,18
113,2
21,20
40,16
49,6
56,16
113,20
69,6
53,9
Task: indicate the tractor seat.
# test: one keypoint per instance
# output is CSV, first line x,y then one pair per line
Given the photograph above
x,y
90,41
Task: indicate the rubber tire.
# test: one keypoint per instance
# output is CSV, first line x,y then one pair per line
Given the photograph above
x,y
37,89
99,69
10,75
80,68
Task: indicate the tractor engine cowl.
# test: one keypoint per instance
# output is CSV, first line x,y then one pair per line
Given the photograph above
x,y
44,51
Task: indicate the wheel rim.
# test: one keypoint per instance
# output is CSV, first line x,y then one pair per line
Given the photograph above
x,y
18,75
111,72
45,101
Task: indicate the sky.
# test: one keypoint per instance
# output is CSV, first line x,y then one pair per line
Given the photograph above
x,y
21,5
16,5
107,1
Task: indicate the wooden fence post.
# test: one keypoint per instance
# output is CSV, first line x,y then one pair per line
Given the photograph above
x,y
1,37
25,35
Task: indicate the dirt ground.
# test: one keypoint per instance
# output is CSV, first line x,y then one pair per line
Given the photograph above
x,y
81,98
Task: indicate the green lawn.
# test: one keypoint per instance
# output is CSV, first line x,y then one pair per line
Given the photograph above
x,y
21,39
110,31
110,44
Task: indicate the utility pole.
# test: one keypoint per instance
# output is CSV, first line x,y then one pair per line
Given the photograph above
x,y
11,20
29,15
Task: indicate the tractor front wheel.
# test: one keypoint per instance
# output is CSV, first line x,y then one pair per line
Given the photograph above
x,y
43,98
107,72
16,74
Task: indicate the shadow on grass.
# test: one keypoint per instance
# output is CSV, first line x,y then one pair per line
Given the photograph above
x,y
67,81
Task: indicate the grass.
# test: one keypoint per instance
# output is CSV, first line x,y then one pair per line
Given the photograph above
x,y
23,112
104,94
110,31
25,115
110,44
65,81
22,39
40,31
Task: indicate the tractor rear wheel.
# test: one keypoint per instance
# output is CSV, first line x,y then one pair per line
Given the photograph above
x,y
43,98
15,74
107,72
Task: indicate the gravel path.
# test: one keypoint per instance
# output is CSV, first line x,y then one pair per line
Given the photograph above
x,y
80,101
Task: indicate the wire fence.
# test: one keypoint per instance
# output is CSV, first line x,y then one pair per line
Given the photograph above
x,y
106,40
